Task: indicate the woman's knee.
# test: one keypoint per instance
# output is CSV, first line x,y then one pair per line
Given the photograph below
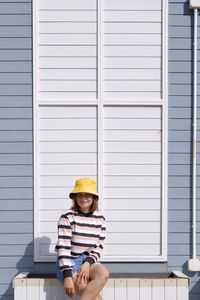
x,y
105,274
100,272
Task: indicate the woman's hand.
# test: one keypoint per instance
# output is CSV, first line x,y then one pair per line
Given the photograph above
x,y
69,286
83,273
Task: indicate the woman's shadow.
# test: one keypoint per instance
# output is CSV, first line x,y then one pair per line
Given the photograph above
x,y
50,287
26,264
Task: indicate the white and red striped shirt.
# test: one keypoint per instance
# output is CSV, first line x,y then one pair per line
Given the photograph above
x,y
79,233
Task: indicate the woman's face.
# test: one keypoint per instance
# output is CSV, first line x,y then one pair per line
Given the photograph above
x,y
84,201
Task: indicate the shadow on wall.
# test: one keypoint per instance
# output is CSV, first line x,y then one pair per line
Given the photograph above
x,y
26,264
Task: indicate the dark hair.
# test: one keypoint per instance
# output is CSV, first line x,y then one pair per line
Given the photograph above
x,y
93,207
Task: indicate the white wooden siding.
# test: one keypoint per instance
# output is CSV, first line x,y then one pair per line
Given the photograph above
x,y
68,134
68,138
132,36
129,195
67,38
99,113
65,29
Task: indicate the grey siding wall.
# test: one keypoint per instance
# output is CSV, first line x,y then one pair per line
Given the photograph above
x,y
180,134
16,192
16,156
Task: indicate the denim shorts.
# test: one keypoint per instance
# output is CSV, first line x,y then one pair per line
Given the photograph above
x,y
77,263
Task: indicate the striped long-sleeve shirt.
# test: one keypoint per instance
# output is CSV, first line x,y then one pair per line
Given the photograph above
x,y
79,233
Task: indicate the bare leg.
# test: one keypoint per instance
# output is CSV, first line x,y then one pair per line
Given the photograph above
x,y
98,297
98,278
79,292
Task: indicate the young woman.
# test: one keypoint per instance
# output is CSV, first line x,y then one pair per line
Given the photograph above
x,y
81,233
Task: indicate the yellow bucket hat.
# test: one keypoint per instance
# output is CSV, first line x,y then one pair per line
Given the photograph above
x,y
84,185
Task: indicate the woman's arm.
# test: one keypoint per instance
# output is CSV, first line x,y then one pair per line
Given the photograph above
x,y
96,253
63,246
